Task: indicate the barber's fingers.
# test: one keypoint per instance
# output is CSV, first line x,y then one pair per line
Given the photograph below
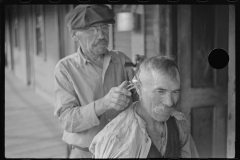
x,y
120,97
124,84
123,91
118,103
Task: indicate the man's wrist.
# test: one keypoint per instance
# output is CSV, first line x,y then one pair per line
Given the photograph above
x,y
100,107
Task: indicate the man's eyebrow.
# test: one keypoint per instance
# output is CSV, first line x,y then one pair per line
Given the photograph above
x,y
177,90
160,88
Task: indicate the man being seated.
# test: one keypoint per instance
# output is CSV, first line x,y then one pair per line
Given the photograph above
x,y
151,127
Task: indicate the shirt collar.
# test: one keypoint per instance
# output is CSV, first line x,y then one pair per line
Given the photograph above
x,y
142,123
82,60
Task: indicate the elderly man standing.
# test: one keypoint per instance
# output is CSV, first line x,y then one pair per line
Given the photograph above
x,y
150,127
90,85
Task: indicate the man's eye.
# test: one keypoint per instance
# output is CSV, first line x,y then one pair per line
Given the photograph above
x,y
105,28
160,91
91,29
176,92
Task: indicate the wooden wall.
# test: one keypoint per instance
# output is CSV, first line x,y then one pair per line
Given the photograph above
x,y
121,40
18,38
44,64
150,44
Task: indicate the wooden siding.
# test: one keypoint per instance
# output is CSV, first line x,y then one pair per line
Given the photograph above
x,y
121,40
202,44
149,37
20,51
44,66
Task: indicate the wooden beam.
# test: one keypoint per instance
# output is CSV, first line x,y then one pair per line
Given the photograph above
x,y
156,29
138,36
162,29
231,86
110,45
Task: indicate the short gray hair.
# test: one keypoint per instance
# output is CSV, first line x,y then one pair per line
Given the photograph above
x,y
164,63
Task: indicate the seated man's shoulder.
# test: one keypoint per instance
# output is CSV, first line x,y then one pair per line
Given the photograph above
x,y
118,122
181,122
124,117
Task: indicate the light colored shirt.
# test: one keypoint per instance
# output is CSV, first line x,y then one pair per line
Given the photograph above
x,y
78,84
126,137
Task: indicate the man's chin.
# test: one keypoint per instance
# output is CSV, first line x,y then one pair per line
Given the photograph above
x,y
101,49
161,118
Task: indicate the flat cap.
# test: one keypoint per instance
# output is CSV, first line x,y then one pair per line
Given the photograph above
x,y
82,16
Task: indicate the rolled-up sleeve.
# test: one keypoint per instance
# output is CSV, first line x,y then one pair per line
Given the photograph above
x,y
73,117
188,148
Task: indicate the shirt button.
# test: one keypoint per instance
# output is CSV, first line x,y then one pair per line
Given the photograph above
x,y
109,120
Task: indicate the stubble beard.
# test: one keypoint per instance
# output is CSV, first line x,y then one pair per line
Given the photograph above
x,y
161,113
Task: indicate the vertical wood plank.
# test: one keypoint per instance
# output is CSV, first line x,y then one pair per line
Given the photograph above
x,y
202,130
203,43
138,36
221,41
174,37
156,29
62,35
162,29
110,45
122,40
231,86
150,12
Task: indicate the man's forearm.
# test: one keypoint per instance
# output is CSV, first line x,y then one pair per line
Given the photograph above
x,y
79,118
100,107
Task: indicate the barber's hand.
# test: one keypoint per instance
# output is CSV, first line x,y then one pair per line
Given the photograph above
x,y
117,97
137,60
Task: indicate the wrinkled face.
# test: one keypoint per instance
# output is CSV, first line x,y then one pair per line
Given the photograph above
x,y
159,94
94,39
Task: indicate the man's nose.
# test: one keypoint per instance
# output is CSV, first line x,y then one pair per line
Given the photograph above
x,y
168,102
100,34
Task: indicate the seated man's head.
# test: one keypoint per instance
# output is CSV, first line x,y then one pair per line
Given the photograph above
x,y
158,86
89,25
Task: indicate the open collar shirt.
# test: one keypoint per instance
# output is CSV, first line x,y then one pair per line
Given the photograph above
x,y
78,84
126,136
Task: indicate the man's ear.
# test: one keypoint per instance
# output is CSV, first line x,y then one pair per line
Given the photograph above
x,y
138,89
73,35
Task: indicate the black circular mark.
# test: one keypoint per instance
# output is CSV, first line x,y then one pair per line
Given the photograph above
x,y
218,58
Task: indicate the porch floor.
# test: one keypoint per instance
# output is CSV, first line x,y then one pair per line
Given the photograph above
x,y
31,129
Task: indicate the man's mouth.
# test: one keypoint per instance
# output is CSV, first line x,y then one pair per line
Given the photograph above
x,y
162,110
101,43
